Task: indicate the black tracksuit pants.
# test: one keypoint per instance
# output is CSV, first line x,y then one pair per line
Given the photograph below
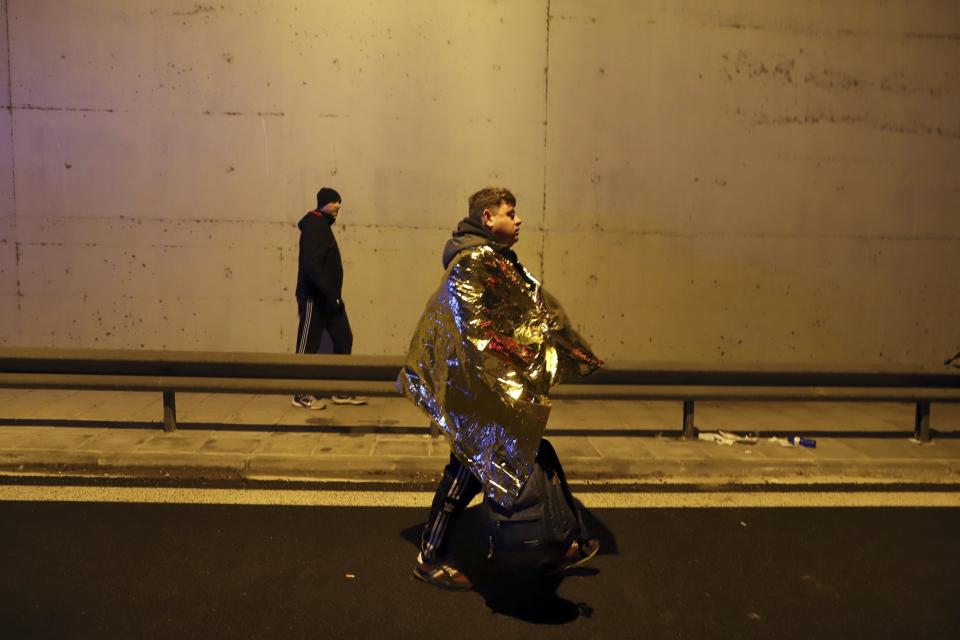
x,y
457,488
314,321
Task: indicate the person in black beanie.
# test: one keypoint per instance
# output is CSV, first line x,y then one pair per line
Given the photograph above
x,y
319,283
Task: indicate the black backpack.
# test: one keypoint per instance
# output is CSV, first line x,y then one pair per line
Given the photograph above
x,y
544,520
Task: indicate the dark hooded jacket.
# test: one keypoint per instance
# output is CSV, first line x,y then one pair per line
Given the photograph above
x,y
471,233
320,271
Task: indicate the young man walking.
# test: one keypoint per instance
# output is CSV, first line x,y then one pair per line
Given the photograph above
x,y
319,284
488,347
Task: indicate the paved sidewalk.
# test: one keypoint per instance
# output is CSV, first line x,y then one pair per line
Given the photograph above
x,y
260,437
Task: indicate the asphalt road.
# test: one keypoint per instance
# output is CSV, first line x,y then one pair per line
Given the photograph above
x,y
95,570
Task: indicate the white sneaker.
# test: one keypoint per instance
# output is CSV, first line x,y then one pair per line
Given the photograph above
x,y
306,402
354,400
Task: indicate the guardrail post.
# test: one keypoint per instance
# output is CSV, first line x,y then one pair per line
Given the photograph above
x,y
921,425
688,428
169,411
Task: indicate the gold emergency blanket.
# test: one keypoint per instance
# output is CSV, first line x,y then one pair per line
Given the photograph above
x,y
488,347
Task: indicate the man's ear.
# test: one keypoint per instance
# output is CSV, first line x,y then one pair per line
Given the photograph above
x,y
486,217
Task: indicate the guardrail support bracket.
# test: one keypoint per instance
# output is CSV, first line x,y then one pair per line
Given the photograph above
x,y
689,431
921,425
169,411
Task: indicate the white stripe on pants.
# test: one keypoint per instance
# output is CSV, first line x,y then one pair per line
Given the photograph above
x,y
307,316
439,529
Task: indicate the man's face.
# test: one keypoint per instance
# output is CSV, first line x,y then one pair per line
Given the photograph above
x,y
504,223
331,209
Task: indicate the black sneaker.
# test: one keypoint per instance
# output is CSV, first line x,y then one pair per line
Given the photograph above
x,y
306,402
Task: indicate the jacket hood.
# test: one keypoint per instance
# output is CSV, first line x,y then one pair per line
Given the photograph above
x,y
311,214
468,234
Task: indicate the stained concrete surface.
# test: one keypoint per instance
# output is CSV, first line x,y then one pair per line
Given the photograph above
x,y
733,180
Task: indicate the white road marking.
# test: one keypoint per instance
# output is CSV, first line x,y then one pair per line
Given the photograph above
x,y
422,499
772,499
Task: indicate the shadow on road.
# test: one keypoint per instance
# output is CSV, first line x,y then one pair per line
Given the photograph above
x,y
522,592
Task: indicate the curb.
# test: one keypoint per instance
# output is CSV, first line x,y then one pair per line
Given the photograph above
x,y
706,474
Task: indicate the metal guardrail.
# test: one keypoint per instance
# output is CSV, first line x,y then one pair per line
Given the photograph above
x,y
169,372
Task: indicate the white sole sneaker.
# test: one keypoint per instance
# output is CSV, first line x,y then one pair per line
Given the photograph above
x,y
309,403
354,400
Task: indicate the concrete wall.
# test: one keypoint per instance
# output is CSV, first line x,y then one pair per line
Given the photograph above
x,y
733,180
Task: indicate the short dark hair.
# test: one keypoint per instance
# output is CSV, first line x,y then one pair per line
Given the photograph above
x,y
489,198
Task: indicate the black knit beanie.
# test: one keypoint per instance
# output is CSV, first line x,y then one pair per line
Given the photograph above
x,y
325,196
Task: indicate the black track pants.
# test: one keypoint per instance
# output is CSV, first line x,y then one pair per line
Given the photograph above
x,y
313,322
457,488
